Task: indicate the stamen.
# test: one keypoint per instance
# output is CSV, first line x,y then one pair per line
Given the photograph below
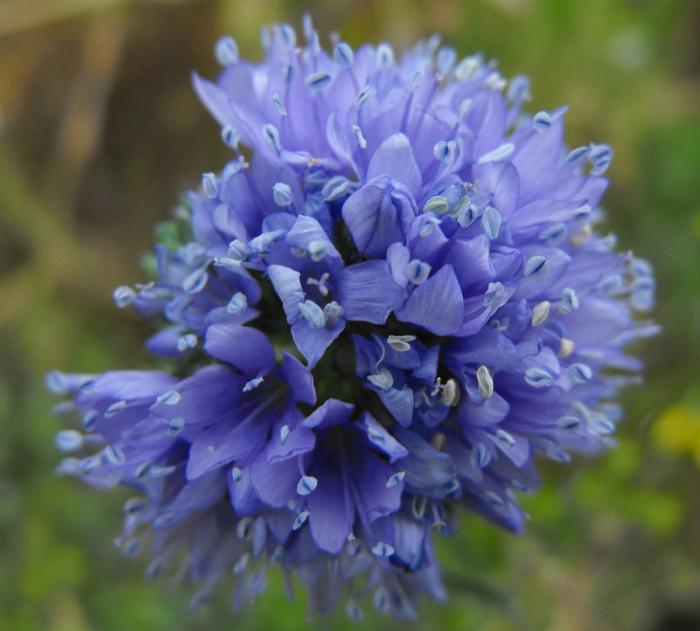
x,y
400,343
175,426
226,51
567,347
569,422
343,54
68,440
333,313
576,156
366,92
123,296
279,106
261,244
230,136
417,271
252,384
569,301
287,35
313,314
436,204
581,373
445,151
600,156
383,379
538,378
418,506
284,433
491,222
307,484
495,82
318,250
467,68
171,397
318,81
480,455
282,194
114,455
300,520
496,295
540,312
554,234
210,186
353,611
382,549
244,528
195,282
518,89
238,250
485,381
450,393
272,137
428,226
336,188
438,440
237,304
385,56
536,267
361,140
381,600
542,121
505,438
395,479
186,342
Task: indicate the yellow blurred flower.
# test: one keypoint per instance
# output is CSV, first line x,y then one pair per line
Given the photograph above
x,y
677,430
695,225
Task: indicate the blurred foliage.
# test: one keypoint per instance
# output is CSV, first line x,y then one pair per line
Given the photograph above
x,y
98,133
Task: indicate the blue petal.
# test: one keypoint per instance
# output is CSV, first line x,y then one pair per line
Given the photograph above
x,y
299,378
488,412
299,440
399,403
382,439
245,348
330,513
312,341
274,482
377,499
331,412
287,284
368,293
214,98
307,230
378,215
394,158
165,342
206,397
242,494
437,305
428,471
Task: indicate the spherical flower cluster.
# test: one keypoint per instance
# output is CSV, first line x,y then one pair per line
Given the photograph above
x,y
388,304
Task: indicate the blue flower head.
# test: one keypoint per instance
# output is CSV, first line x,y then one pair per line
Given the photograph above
x,y
390,302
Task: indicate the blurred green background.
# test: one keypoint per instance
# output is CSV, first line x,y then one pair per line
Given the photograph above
x,y
99,130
